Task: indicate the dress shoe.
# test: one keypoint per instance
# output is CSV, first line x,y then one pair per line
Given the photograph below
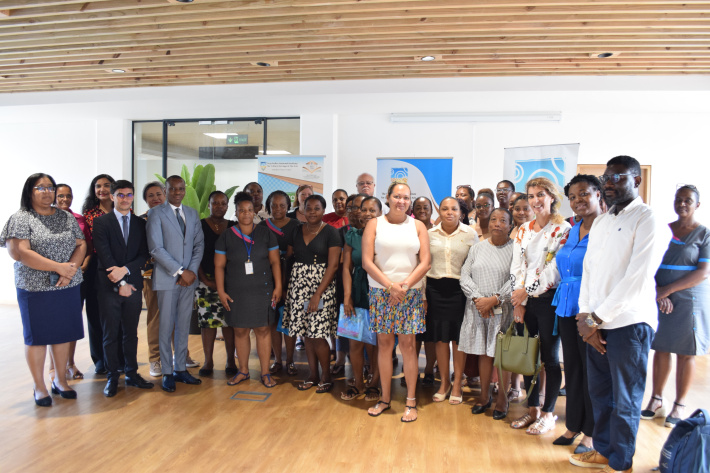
x,y
500,415
44,402
111,387
137,380
168,383
480,409
185,377
562,440
100,369
68,394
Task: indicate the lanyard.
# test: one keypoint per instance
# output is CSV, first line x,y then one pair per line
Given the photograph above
x,y
274,228
245,239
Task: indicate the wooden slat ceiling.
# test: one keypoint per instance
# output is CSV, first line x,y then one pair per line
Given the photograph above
x,y
68,45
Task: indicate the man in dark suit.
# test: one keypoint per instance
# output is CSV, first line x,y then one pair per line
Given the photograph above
x,y
122,249
176,242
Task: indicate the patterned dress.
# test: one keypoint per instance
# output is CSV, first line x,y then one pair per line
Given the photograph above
x,y
310,265
486,272
210,312
686,330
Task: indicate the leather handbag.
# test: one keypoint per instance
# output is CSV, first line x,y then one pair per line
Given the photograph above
x,y
518,354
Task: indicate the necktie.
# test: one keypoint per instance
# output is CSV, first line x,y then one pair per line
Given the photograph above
x,y
125,228
181,222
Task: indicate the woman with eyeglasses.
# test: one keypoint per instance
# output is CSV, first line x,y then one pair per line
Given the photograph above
x,y
395,254
467,194
534,277
504,193
299,212
48,248
683,294
484,206
585,196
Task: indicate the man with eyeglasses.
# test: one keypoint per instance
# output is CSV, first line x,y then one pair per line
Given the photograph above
x,y
365,184
122,249
504,191
618,313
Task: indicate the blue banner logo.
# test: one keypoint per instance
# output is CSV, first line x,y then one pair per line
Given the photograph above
x,y
399,175
551,168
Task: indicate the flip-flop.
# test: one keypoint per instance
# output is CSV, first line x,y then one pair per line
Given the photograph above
x,y
305,386
324,388
408,410
351,394
372,394
337,369
291,369
232,382
383,410
268,376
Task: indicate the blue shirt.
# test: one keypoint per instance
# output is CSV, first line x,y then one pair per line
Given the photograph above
x,y
569,261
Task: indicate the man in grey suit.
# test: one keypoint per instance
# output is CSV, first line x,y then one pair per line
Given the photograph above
x,y
176,242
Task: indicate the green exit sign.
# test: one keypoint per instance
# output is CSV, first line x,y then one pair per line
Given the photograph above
x,y
237,139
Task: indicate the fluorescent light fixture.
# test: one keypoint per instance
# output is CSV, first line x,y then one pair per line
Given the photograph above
x,y
221,122
276,151
219,136
456,117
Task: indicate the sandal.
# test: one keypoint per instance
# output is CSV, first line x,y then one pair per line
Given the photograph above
x,y
409,409
513,395
648,414
234,382
542,425
455,400
337,369
275,367
324,388
372,394
291,369
73,372
376,413
672,421
522,422
351,394
306,385
271,384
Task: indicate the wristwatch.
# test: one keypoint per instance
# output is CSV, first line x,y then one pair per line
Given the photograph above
x,y
592,320
405,287
122,283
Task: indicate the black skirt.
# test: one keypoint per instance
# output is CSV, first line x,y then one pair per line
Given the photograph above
x,y
446,305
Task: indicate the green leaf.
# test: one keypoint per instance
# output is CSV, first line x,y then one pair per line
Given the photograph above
x,y
160,178
185,174
196,174
230,191
206,180
191,199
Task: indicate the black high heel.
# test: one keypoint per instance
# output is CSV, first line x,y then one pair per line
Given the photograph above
x,y
68,394
44,402
480,409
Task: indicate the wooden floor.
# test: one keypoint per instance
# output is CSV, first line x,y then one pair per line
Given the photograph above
x,y
204,429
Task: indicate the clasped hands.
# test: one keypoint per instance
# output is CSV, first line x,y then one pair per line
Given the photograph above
x,y
589,334
186,279
66,272
662,298
396,292
485,305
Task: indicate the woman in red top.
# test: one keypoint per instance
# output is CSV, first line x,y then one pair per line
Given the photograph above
x,y
338,218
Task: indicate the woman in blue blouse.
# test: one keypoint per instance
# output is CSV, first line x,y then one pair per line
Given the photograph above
x,y
584,194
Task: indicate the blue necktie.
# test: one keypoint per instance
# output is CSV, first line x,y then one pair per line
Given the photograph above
x,y
125,228
181,222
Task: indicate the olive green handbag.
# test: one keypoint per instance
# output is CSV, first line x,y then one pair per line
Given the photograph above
x,y
518,354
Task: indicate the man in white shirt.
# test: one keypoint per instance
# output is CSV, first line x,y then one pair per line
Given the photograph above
x,y
365,184
617,305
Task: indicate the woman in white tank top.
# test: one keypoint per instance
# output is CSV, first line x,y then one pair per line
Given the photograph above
x,y
395,254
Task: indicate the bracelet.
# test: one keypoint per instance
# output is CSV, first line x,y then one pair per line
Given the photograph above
x,y
388,289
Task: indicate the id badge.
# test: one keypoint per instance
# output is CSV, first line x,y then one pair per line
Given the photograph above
x,y
249,267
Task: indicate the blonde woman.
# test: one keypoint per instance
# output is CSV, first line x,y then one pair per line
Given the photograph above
x,y
534,277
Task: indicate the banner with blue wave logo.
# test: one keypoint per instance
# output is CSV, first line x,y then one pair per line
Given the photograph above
x,y
555,162
428,177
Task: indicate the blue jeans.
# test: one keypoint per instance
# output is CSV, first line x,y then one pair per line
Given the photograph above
x,y
616,384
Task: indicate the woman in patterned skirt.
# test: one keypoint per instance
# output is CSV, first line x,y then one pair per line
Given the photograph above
x,y
210,312
311,310
395,254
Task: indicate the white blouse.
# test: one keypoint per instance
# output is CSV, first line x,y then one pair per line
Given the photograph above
x,y
448,252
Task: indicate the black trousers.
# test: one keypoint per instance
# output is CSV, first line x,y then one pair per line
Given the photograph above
x,y
89,293
579,415
119,321
540,320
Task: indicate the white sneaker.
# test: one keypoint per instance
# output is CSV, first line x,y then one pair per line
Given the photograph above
x,y
190,363
155,369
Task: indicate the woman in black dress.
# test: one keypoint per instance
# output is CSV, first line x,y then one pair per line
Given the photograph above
x,y
248,271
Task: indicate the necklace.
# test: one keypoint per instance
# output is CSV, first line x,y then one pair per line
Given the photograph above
x,y
308,227
217,225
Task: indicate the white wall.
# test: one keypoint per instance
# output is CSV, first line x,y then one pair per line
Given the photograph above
x,y
662,121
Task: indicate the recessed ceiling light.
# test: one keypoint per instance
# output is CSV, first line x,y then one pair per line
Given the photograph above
x,y
182,1
427,58
603,55
118,71
263,64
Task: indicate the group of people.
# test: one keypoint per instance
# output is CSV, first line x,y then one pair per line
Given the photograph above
x,y
598,285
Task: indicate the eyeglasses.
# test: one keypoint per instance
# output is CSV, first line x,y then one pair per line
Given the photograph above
x,y
365,183
349,208
502,190
124,196
614,178
482,206
44,189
